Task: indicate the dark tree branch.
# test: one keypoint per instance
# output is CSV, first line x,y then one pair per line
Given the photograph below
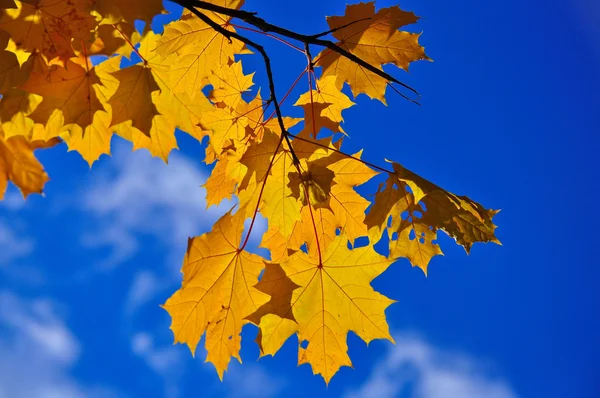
x,y
252,19
233,35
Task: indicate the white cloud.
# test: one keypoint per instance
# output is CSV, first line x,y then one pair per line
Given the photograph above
x,y
13,199
414,365
144,286
134,197
164,361
252,381
13,246
161,360
170,363
139,195
38,351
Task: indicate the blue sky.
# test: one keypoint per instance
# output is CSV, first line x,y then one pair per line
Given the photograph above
x,y
510,117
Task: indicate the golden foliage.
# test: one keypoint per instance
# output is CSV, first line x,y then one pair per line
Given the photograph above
x,y
375,38
317,282
19,165
215,295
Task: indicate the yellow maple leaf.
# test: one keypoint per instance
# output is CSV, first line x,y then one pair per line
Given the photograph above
x,y
55,81
219,185
160,142
331,296
199,50
165,110
232,132
15,107
19,165
133,99
224,126
12,74
94,140
347,206
460,217
373,37
181,109
409,236
50,26
413,235
229,83
69,96
129,10
326,101
270,163
216,294
6,4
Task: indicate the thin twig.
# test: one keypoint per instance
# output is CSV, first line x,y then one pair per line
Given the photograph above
x,y
130,43
343,153
318,35
279,39
233,35
262,188
252,19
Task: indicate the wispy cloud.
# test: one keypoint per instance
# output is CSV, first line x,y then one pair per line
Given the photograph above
x,y
172,362
136,195
144,287
417,369
252,381
164,361
13,199
18,246
38,352
159,359
137,201
13,246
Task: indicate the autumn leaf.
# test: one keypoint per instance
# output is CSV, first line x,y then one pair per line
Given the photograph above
x,y
6,4
429,208
219,185
82,71
460,217
333,297
19,165
216,294
133,99
129,10
229,83
325,102
11,72
373,37
49,26
15,108
94,140
165,110
199,50
69,95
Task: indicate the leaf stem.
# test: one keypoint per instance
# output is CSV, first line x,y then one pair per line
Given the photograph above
x,y
342,153
318,35
262,188
288,92
279,39
130,44
312,217
311,72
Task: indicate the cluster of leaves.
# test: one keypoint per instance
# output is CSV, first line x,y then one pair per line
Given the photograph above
x,y
316,283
